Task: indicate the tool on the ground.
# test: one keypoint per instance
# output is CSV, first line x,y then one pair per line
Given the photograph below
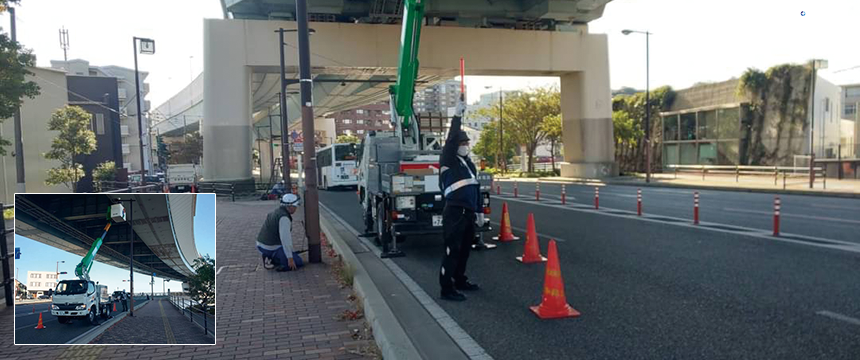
x,y
696,207
531,250
776,206
639,202
554,303
40,326
505,233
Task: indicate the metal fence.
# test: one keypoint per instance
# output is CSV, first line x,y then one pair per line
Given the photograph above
x,y
798,174
126,187
230,189
204,320
537,167
5,255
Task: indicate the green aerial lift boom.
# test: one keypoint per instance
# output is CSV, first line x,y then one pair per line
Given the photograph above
x,y
115,213
402,92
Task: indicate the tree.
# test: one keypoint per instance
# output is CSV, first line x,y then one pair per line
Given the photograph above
x,y
346,139
525,112
75,138
13,85
187,152
487,146
105,171
551,126
201,285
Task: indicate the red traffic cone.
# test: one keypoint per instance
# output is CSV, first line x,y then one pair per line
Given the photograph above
x,y
505,233
554,304
40,326
34,309
114,307
531,253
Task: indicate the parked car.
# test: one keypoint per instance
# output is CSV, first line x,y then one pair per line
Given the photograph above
x,y
117,295
44,296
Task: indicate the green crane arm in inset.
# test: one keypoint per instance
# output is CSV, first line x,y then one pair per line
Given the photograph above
x,y
82,270
403,90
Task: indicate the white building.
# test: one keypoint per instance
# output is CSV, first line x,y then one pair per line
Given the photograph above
x,y
38,282
127,106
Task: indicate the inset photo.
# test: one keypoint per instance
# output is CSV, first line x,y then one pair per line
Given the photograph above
x,y
130,269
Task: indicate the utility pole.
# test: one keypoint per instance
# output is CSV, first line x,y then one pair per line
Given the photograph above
x,y
502,158
312,216
19,136
271,149
285,151
146,46
64,44
131,252
815,66
647,108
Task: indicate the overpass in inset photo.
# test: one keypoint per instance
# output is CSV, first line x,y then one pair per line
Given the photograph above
x,y
163,229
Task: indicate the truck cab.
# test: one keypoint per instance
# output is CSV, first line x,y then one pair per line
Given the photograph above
x,y
80,299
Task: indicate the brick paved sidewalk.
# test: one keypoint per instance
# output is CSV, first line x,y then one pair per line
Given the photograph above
x,y
261,314
158,322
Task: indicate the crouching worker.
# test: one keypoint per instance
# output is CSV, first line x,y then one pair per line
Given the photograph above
x,y
275,240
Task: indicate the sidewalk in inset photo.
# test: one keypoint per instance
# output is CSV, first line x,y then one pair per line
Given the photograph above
x,y
158,322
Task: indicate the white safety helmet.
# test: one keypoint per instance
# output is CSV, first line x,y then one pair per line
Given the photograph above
x,y
290,200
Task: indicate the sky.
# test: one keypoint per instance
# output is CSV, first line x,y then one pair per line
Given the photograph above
x,y
36,256
693,40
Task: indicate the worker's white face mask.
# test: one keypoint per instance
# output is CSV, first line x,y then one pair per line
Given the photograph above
x,y
463,151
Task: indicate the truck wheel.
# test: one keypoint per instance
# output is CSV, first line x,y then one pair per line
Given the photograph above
x,y
106,312
63,319
92,317
383,234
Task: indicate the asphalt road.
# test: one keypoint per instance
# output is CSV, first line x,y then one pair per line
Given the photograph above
x,y
825,217
651,290
54,332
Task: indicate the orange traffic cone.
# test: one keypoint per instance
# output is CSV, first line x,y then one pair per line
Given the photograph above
x,y
554,304
531,253
505,233
40,326
114,307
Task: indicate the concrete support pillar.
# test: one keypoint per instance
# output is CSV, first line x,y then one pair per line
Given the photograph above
x,y
586,108
227,109
265,169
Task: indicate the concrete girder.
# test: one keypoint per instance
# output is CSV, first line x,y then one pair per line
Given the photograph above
x,y
236,49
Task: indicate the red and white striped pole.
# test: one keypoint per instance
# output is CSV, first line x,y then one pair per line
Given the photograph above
x,y
639,202
696,208
498,189
776,206
563,194
516,189
596,197
537,191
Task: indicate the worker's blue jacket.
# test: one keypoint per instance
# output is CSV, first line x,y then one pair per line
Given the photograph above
x,y
459,177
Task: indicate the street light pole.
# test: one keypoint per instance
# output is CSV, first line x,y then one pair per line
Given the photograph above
x,y
150,46
312,224
815,66
502,156
19,137
647,101
131,252
285,151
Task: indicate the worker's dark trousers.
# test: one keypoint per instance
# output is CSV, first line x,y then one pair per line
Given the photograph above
x,y
458,231
125,305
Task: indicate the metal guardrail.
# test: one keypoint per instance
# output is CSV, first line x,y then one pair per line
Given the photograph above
x,y
8,280
537,167
738,170
184,304
230,189
126,187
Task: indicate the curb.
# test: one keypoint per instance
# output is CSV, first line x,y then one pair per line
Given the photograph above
x,y
91,335
390,336
741,189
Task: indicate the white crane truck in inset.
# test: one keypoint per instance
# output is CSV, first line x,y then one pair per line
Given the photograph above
x,y
84,298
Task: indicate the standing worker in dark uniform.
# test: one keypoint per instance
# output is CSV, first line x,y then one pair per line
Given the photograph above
x,y
463,209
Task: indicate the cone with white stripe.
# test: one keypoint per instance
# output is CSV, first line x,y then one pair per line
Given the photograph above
x,y
505,233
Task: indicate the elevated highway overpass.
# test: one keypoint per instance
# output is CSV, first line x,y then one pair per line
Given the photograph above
x,y
163,229
354,58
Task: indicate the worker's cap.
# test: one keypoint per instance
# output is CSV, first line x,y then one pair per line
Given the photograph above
x,y
462,136
290,200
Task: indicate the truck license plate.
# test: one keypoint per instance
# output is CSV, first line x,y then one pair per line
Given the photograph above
x,y
437,220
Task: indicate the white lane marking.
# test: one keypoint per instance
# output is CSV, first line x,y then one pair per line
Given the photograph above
x,y
838,316
219,270
460,336
30,313
783,213
538,234
826,206
751,232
